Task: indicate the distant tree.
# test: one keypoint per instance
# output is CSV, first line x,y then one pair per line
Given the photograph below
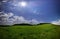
x,y
23,24
42,23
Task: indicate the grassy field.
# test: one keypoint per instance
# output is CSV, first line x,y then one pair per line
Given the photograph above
x,y
45,31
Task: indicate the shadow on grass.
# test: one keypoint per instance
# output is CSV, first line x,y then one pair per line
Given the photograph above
x,y
5,25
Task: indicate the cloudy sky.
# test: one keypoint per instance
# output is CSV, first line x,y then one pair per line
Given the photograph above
x,y
31,11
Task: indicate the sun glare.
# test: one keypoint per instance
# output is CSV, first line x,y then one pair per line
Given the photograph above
x,y
23,4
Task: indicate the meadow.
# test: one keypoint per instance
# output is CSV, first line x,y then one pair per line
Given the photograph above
x,y
44,31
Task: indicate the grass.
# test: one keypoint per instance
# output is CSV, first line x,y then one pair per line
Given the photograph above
x,y
45,31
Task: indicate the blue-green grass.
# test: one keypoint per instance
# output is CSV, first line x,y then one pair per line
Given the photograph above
x,y
45,31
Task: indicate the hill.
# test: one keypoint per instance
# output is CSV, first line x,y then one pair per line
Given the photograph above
x,y
44,31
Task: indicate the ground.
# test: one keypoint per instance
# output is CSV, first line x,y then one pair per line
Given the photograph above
x,y
44,31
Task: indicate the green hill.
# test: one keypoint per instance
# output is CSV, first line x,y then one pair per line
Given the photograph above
x,y
44,31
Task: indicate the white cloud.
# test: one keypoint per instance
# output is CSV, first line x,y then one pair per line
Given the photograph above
x,y
2,14
34,21
56,22
10,21
6,20
4,0
19,19
10,14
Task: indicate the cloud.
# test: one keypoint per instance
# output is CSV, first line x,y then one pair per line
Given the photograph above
x,y
56,22
4,0
34,21
2,14
35,12
10,14
19,19
11,19
5,19
9,0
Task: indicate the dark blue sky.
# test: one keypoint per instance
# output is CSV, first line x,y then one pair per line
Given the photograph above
x,y
42,10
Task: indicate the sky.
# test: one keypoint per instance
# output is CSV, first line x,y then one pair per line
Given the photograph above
x,y
35,10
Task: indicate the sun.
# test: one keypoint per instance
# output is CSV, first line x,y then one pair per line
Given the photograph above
x,y
23,4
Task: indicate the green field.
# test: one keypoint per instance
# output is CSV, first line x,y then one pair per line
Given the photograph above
x,y
45,31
